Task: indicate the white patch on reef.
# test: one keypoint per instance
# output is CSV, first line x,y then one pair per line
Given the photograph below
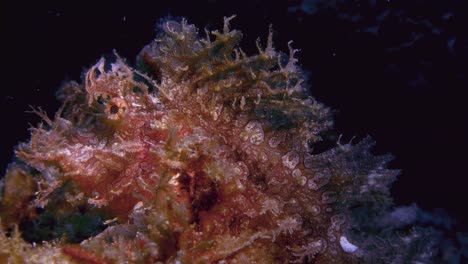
x,y
347,246
173,181
138,206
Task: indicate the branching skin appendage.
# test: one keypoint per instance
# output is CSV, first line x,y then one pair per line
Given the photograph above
x,y
200,154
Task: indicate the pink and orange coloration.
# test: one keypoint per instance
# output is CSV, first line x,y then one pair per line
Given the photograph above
x,y
203,155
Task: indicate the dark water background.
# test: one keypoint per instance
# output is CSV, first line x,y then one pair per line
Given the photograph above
x,y
396,70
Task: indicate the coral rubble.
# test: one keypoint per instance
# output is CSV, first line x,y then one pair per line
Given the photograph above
x,y
200,154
